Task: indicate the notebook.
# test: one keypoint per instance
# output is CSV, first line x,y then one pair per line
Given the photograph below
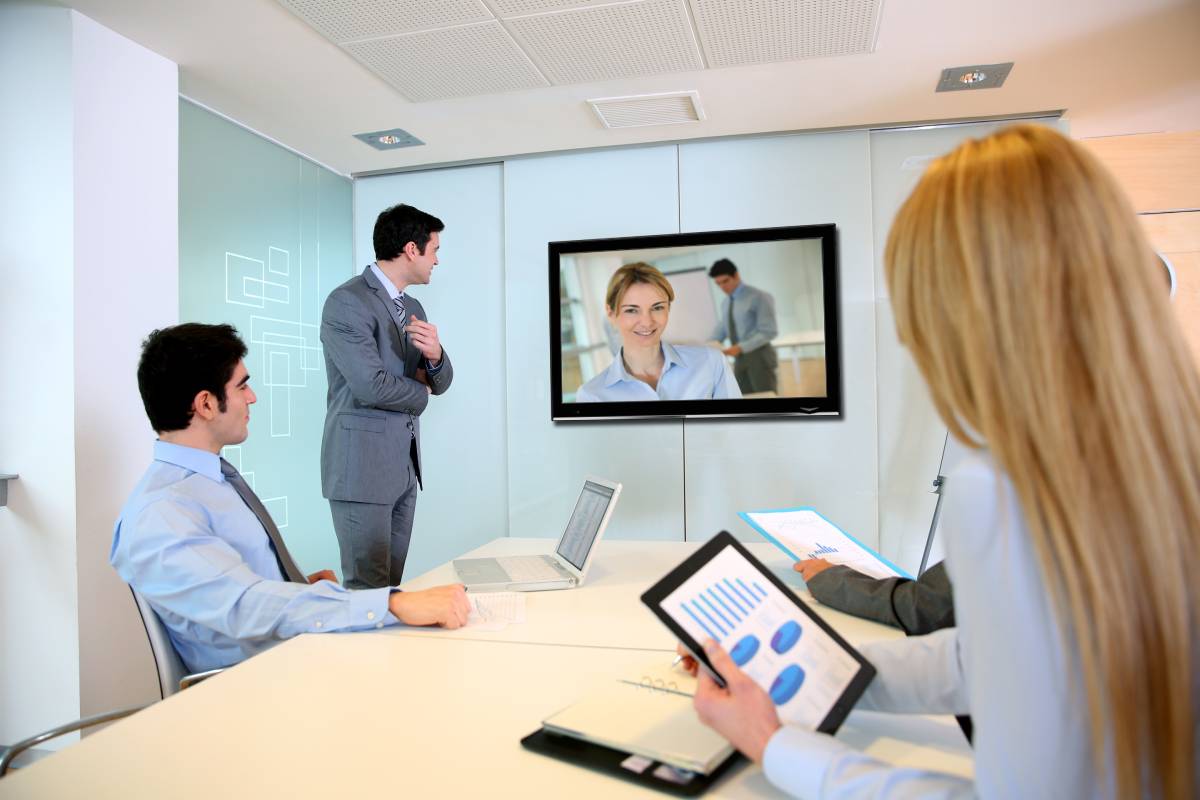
x,y
649,716
567,567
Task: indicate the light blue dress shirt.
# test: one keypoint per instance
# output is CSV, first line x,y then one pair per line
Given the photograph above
x,y
689,373
1004,664
754,316
192,547
394,293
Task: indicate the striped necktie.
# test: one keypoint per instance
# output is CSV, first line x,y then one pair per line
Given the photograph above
x,y
399,301
286,565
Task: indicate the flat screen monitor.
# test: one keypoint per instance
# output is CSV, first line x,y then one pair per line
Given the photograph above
x,y
707,324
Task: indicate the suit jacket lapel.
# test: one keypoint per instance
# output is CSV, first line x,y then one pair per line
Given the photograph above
x,y
382,295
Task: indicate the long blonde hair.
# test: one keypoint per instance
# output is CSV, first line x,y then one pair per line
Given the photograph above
x,y
1035,310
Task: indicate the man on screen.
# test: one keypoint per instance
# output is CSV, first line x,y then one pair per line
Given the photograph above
x,y
748,321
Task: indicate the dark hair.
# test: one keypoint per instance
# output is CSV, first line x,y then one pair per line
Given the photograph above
x,y
180,362
722,266
395,227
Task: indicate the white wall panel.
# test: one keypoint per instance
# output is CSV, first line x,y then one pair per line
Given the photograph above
x,y
39,661
624,192
127,225
736,465
465,500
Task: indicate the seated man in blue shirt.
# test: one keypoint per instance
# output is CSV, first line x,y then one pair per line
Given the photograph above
x,y
196,542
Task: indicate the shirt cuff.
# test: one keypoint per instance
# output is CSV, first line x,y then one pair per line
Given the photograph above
x,y
369,608
795,760
432,370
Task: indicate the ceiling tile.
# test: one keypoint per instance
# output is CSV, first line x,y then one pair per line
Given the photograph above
x,y
346,20
614,41
736,32
450,62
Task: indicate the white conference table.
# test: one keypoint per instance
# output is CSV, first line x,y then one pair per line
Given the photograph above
x,y
418,713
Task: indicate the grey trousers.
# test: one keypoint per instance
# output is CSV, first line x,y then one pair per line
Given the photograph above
x,y
755,371
374,537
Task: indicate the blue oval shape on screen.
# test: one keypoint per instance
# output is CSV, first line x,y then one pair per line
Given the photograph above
x,y
786,637
744,650
787,684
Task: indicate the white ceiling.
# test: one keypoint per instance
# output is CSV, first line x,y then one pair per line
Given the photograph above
x,y
1115,66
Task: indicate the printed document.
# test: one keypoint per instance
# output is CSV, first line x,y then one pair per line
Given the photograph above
x,y
803,533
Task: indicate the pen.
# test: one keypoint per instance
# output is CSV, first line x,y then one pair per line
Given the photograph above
x,y
678,660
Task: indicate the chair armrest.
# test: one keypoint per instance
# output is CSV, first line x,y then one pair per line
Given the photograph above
x,y
79,724
196,677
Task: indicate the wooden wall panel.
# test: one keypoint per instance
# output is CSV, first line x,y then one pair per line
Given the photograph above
x,y
1177,236
1160,171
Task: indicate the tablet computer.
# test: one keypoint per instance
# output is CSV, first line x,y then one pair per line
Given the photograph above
x,y
721,592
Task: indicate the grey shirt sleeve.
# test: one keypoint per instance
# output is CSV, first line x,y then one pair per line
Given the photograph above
x,y
917,607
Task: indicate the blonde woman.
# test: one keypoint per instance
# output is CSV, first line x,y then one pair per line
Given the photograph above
x,y
1034,309
638,304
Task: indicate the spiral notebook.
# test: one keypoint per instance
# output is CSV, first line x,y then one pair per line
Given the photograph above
x,y
648,715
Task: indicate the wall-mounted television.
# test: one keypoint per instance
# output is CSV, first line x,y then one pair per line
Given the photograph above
x,y
706,324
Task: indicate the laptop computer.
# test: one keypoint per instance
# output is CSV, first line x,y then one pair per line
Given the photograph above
x,y
567,567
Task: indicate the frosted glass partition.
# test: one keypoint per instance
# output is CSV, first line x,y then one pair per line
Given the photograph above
x,y
737,465
581,196
264,235
910,433
465,499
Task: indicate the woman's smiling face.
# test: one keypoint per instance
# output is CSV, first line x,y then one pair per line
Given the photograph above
x,y
641,316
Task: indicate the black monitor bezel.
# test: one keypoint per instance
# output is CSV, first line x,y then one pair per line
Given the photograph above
x,y
822,407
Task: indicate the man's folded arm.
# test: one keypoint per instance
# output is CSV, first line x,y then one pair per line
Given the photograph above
x,y
345,334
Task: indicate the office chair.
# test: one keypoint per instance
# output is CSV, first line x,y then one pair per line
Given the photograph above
x,y
172,674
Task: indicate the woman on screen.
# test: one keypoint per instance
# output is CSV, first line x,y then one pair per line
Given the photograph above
x,y
638,304
1033,306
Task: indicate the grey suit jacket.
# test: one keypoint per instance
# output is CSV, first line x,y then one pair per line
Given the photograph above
x,y
917,607
374,398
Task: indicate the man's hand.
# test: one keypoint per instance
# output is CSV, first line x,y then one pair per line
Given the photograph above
x,y
733,350
323,575
425,336
810,567
442,605
741,712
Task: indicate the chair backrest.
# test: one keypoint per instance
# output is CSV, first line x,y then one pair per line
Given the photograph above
x,y
170,666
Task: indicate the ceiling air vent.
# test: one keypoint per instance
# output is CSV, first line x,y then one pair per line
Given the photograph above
x,y
640,110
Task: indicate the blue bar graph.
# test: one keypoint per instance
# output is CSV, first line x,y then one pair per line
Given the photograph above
x,y
720,608
822,549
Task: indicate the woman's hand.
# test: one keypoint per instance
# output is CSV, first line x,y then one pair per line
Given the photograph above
x,y
741,712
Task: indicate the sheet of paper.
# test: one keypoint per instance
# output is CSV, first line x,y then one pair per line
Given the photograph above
x,y
803,533
662,674
495,611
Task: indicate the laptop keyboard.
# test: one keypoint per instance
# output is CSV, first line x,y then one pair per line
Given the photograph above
x,y
524,569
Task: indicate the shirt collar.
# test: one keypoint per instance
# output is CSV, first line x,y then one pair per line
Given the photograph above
x,y
388,286
741,287
201,461
616,371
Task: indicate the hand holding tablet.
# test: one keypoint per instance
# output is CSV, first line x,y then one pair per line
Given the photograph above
x,y
768,637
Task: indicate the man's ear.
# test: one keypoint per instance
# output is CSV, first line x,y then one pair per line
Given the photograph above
x,y
204,405
411,250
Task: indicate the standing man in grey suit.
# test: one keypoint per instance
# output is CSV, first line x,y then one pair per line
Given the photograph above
x,y
748,322
384,360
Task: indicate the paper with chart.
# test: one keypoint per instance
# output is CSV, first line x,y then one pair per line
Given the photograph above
x,y
494,611
803,533
803,669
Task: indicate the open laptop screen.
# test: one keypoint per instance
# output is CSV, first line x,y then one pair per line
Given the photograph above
x,y
585,522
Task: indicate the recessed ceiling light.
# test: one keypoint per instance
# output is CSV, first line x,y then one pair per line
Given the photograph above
x,y
389,139
976,76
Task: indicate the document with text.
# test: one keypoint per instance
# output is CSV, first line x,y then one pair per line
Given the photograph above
x,y
803,533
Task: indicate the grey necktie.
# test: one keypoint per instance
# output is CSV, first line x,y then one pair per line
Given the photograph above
x,y
733,334
399,301
286,565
